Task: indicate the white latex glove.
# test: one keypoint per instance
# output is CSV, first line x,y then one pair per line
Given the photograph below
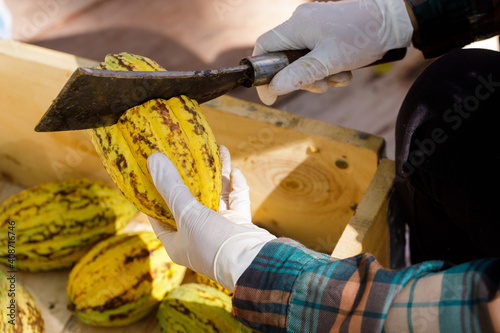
x,y
218,245
342,36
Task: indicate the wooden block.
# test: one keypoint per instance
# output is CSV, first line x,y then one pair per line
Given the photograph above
x,y
301,172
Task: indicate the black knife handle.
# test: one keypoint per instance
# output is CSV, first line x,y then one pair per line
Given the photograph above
x,y
264,67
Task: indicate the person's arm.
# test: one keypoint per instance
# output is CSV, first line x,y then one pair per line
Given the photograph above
x,y
291,288
441,25
281,285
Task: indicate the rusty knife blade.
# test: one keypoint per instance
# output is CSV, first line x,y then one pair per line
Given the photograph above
x,y
94,98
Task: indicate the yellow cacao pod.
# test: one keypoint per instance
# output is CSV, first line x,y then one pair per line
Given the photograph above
x,y
52,225
121,279
202,279
18,309
195,307
174,127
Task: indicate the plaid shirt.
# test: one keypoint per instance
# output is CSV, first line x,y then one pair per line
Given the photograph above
x,y
447,24
291,288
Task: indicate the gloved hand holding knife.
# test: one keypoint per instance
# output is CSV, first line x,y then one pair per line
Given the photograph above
x,y
342,36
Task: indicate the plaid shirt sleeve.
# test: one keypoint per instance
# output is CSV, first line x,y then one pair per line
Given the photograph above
x,y
447,24
289,288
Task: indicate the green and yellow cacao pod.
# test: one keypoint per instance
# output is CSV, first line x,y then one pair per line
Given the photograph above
x,y
174,127
52,225
121,279
18,309
202,279
195,307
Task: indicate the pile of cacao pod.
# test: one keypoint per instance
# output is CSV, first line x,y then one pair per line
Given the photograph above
x,y
51,226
